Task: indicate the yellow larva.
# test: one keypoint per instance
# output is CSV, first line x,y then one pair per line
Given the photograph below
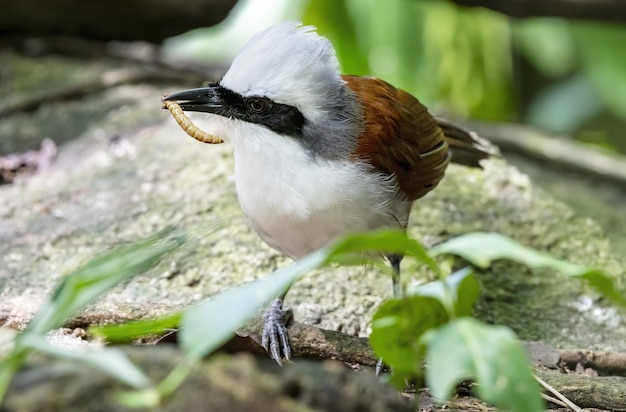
x,y
185,123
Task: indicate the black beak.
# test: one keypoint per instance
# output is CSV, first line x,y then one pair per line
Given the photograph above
x,y
208,99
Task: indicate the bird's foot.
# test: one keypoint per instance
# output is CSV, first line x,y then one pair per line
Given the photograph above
x,y
380,367
275,338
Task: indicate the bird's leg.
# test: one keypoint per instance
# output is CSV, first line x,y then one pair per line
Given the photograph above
x,y
275,337
394,260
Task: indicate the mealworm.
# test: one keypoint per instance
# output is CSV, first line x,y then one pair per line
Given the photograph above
x,y
185,123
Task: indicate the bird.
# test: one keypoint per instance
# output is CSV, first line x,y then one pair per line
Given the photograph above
x,y
319,154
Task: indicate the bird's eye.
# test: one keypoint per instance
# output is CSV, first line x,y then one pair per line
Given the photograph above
x,y
258,105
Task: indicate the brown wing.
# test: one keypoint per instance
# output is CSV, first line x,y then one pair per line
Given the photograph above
x,y
467,147
400,137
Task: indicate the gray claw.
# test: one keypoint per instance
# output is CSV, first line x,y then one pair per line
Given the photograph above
x,y
380,366
275,338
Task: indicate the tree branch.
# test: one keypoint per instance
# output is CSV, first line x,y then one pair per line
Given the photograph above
x,y
111,20
604,10
564,153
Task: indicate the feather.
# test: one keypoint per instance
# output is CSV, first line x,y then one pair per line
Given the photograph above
x,y
401,138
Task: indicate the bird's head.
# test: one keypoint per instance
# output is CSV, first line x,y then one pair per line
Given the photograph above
x,y
284,81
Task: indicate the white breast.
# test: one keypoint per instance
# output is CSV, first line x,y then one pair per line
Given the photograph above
x,y
298,204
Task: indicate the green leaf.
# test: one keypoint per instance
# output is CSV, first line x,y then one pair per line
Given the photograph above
x,y
396,330
551,109
457,293
208,325
547,43
491,355
332,19
597,44
108,360
385,241
481,249
80,288
9,367
150,398
126,332
85,284
145,398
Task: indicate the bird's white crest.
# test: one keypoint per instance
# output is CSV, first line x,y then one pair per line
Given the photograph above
x,y
288,63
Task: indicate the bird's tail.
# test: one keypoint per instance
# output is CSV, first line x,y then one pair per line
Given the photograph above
x,y
467,147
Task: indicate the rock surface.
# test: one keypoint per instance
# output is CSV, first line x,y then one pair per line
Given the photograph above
x,y
236,383
126,170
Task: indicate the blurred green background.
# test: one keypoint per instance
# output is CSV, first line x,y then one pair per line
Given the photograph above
x,y
565,77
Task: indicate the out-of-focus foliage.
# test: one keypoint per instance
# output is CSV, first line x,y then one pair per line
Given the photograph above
x,y
432,49
78,289
602,51
548,43
585,67
332,19
564,76
561,75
